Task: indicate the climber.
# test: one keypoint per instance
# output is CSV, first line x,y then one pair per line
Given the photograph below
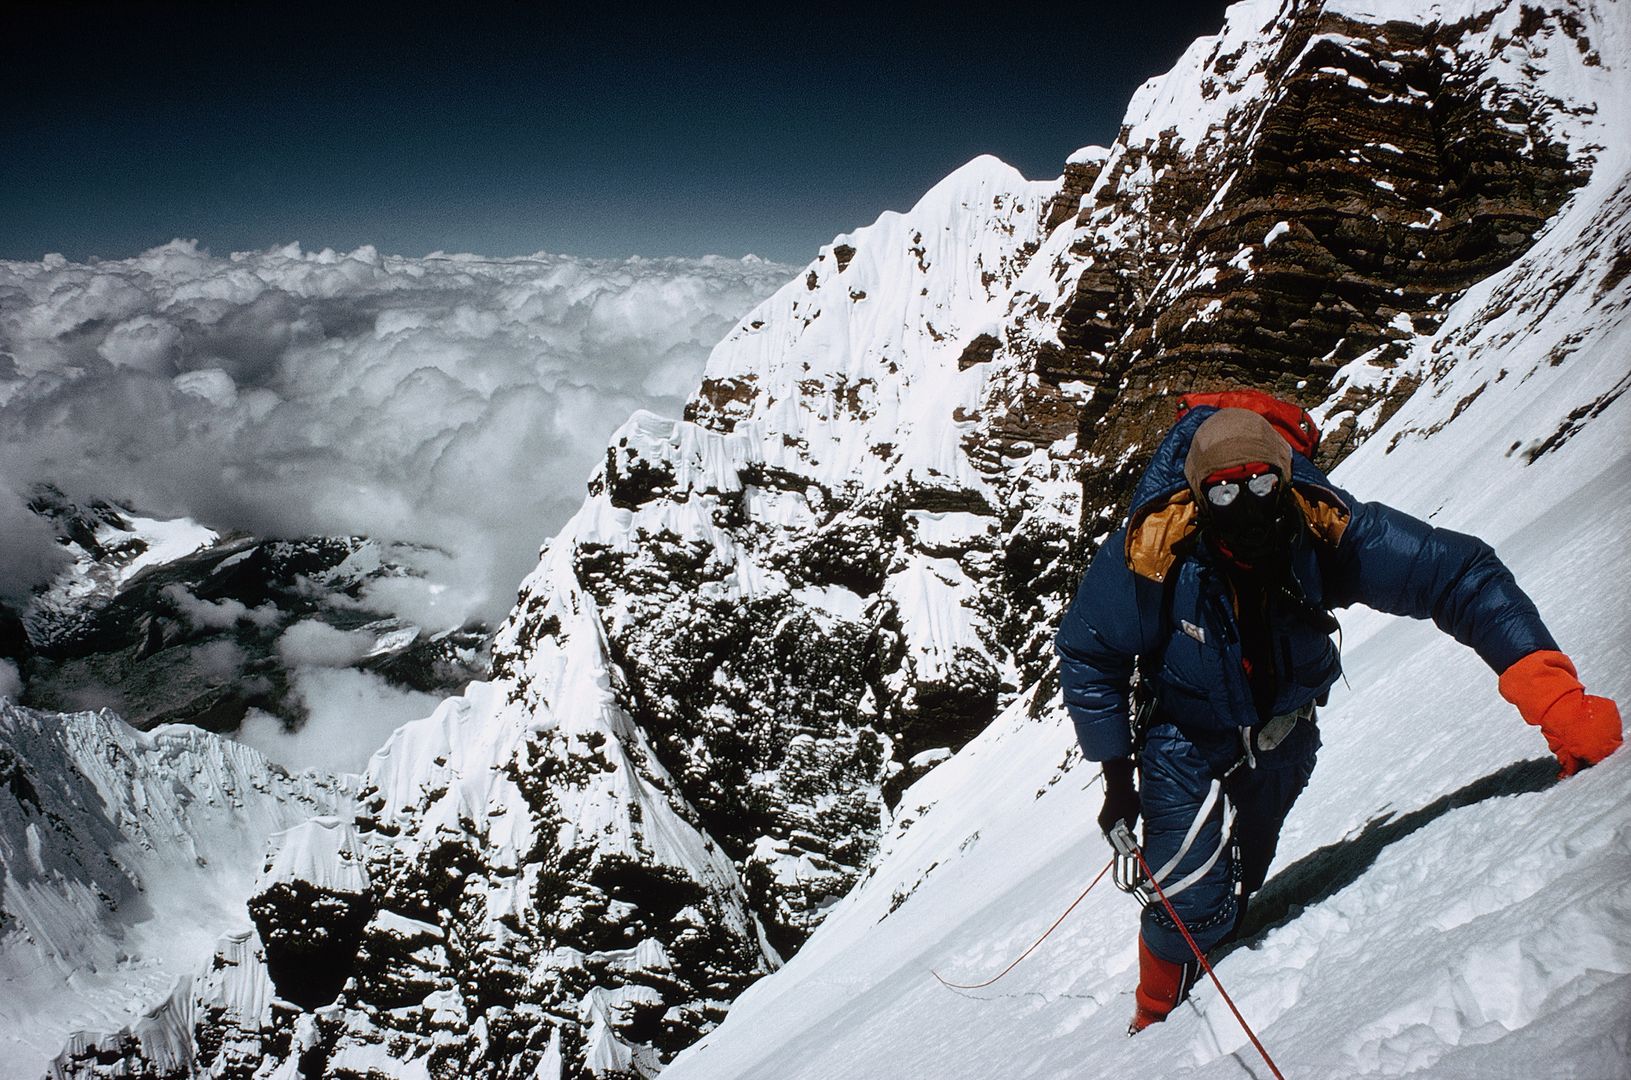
x,y
1217,592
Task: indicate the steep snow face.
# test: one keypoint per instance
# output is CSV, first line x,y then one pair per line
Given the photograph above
x,y
514,878
126,855
1439,903
519,878
850,371
789,579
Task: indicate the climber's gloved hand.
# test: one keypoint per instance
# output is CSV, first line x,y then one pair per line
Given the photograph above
x,y
1581,729
1121,801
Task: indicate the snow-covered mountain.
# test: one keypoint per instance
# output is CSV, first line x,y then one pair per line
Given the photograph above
x,y
1440,905
786,672
278,642
126,856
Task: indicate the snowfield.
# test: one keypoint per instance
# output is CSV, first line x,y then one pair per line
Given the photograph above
x,y
1441,905
117,898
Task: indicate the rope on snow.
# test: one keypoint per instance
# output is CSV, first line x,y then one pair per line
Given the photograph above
x,y
1038,941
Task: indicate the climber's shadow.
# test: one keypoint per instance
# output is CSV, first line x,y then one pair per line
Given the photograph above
x,y
1322,873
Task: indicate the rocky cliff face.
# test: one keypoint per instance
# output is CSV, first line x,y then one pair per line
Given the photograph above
x,y
773,614
1301,209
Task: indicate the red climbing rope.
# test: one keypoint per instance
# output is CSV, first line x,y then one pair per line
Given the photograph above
x,y
1199,955
1038,941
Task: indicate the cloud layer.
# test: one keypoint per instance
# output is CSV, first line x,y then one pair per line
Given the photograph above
x,y
350,715
454,402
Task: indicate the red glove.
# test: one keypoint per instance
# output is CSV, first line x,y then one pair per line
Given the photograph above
x,y
1581,730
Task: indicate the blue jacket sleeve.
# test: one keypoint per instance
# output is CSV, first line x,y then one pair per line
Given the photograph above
x,y
1399,564
1097,643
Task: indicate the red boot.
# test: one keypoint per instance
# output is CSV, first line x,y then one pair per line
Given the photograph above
x,y
1161,986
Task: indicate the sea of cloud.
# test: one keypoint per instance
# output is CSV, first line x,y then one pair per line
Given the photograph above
x,y
452,402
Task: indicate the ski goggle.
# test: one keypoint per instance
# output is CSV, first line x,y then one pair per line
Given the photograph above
x,y
1262,486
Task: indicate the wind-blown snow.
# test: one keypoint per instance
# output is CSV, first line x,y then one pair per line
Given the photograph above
x,y
876,340
452,401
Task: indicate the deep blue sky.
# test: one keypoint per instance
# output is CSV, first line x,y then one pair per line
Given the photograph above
x,y
509,129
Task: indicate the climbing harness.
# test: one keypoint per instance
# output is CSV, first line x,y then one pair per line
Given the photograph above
x,y
1038,941
1130,873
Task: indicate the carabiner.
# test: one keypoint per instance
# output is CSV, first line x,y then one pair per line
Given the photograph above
x,y
1128,874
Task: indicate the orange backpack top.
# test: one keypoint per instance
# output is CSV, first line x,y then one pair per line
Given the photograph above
x,y
1291,421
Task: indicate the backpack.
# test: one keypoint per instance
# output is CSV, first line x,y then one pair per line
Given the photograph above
x,y
1291,421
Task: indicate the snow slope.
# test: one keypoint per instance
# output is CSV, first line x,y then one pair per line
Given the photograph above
x,y
1441,907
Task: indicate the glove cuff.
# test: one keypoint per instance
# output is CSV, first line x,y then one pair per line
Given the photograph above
x,y
1539,682
1118,771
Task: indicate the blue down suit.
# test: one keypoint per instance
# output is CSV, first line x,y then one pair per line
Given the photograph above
x,y
1156,590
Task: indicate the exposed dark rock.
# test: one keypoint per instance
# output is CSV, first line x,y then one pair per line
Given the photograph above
x,y
311,937
1333,219
978,351
728,400
1322,225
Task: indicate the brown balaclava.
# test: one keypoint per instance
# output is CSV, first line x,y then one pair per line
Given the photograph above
x,y
1231,437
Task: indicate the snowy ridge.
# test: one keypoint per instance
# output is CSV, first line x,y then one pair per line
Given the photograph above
x,y
323,851
127,544
443,773
631,809
851,369
825,414
477,807
107,834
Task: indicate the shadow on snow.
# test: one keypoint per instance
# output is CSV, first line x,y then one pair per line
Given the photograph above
x,y
1321,874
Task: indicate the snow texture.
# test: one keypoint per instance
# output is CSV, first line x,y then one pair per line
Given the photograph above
x,y
126,855
1443,908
